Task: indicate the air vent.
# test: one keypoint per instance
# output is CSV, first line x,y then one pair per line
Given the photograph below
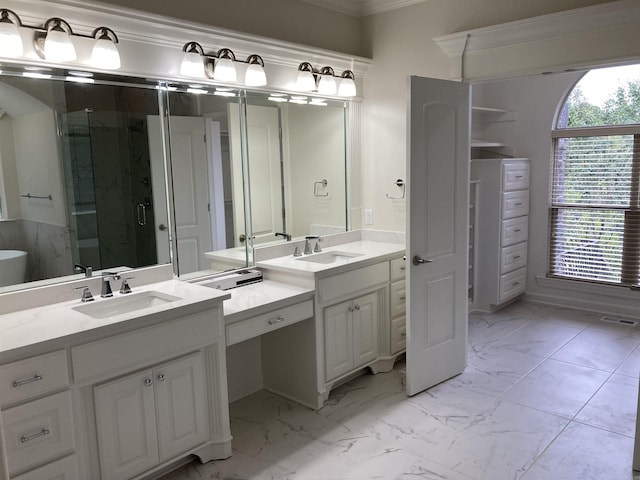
x,y
620,321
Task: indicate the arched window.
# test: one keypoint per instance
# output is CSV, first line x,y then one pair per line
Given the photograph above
x,y
595,191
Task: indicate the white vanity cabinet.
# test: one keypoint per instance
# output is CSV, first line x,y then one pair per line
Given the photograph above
x,y
351,335
38,425
151,416
398,306
352,305
501,230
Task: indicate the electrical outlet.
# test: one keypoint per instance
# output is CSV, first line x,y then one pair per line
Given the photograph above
x,y
368,216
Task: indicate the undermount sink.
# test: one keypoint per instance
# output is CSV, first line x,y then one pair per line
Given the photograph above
x,y
124,304
329,257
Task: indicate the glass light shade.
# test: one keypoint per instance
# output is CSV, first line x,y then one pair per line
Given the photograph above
x,y
192,65
305,82
10,41
58,46
347,88
105,54
327,85
224,70
255,76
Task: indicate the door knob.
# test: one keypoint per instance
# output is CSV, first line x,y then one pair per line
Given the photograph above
x,y
417,260
162,227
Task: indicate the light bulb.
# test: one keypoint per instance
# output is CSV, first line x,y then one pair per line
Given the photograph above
x,y
305,82
58,46
192,65
347,88
255,76
105,54
10,40
327,85
224,70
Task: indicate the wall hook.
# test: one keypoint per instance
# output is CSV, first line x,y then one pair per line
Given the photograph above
x,y
399,183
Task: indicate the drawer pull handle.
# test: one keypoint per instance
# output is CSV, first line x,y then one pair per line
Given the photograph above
x,y
161,377
517,230
18,383
515,284
403,297
403,334
273,321
148,382
357,307
516,257
27,438
518,204
518,177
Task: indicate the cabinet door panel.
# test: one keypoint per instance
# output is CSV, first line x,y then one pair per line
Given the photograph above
x,y
126,425
181,403
365,329
338,340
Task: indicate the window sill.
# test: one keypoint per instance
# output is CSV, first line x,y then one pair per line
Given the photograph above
x,y
585,288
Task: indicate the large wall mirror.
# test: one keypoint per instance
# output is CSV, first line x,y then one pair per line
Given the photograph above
x,y
84,162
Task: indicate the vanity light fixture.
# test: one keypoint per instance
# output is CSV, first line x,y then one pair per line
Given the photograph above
x,y
224,69
224,92
324,81
105,52
10,40
192,60
255,76
58,46
278,97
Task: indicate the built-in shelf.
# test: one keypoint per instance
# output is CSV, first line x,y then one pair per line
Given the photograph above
x,y
481,143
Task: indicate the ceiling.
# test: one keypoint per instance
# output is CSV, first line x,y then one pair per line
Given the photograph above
x,y
361,8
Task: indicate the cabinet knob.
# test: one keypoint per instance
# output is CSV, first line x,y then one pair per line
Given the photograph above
x,y
148,382
161,377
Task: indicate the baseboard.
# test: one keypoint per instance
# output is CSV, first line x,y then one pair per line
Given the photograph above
x,y
600,306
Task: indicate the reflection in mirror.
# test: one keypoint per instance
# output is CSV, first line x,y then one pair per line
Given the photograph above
x,y
77,184
297,179
208,193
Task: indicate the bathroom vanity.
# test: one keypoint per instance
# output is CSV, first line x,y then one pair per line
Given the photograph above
x,y
116,388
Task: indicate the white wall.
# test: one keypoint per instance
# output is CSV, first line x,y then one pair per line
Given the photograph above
x,y
8,172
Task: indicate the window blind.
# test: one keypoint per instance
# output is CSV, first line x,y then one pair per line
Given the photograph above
x,y
595,209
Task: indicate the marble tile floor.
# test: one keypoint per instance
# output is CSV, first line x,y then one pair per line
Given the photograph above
x,y
549,394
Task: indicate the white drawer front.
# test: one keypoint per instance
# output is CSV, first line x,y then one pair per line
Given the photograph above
x,y
145,346
343,284
38,431
256,326
515,204
513,257
34,376
398,294
515,176
398,334
512,284
398,269
514,230
64,469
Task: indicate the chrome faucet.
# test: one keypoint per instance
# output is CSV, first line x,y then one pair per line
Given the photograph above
x,y
307,246
106,286
286,236
86,294
87,270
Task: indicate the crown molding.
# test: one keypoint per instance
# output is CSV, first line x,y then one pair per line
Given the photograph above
x,y
362,8
545,38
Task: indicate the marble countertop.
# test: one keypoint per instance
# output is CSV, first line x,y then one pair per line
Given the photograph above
x,y
368,252
29,327
262,297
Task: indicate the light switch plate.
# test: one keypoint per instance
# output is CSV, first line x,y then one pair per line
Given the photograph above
x,y
368,216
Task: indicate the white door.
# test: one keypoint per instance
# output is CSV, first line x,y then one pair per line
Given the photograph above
x,y
437,232
265,170
126,425
181,403
190,190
